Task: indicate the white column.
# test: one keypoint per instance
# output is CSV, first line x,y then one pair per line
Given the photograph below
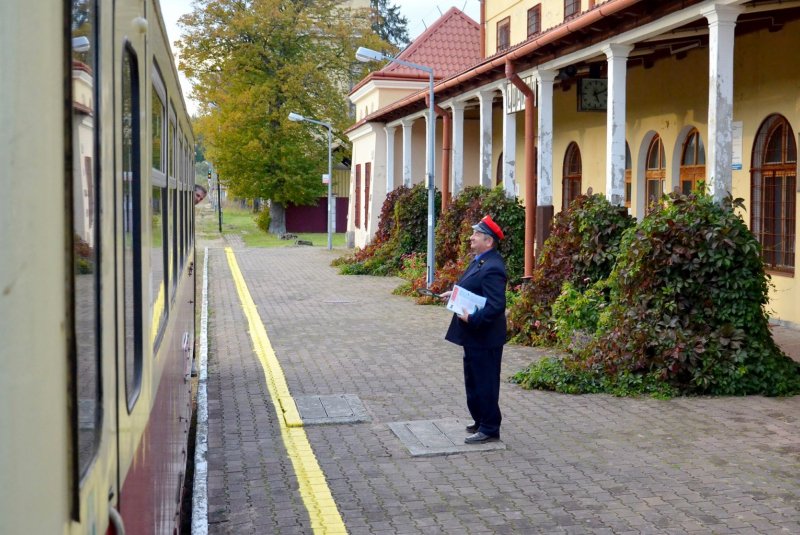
x,y
485,98
458,147
428,155
544,191
389,157
615,122
407,151
721,25
509,145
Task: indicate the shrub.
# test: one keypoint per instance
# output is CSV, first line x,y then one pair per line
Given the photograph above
x,y
686,312
402,229
583,245
576,314
263,220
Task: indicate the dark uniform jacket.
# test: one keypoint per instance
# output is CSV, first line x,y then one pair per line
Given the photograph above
x,y
487,327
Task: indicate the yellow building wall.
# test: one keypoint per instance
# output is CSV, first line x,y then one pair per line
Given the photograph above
x,y
496,11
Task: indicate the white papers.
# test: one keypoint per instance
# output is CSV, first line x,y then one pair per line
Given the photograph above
x,y
462,299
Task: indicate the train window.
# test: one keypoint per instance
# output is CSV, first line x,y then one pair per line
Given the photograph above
x,y
158,283
173,202
181,201
85,238
131,224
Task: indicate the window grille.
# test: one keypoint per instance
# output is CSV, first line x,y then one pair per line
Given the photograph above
x,y
571,8
773,180
504,34
535,20
572,175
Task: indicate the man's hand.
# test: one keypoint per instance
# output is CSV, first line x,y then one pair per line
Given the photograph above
x,y
446,295
464,317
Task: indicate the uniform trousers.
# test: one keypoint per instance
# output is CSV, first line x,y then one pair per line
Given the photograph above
x,y
482,381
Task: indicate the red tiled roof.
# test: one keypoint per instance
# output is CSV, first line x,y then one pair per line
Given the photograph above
x,y
497,61
450,45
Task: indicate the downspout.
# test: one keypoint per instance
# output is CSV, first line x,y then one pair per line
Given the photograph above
x,y
446,151
531,210
483,28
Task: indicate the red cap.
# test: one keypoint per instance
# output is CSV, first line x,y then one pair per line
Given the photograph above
x,y
487,226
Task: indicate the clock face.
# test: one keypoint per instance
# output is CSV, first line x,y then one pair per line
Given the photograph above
x,y
593,94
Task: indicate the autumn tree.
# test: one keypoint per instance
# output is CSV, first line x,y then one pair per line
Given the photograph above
x,y
255,61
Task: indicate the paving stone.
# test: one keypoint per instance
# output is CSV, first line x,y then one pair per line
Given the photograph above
x,y
325,410
571,464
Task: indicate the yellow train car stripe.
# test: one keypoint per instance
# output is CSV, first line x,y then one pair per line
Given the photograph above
x,y
322,510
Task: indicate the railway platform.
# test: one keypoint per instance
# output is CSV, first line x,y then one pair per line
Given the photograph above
x,y
288,326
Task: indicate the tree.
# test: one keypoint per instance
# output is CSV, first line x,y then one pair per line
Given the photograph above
x,y
389,24
256,61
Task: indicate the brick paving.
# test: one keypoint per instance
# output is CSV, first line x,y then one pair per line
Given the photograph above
x,y
573,464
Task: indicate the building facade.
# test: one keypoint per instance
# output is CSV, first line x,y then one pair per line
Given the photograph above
x,y
632,98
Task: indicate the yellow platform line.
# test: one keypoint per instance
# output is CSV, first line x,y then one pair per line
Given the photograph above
x,y
325,517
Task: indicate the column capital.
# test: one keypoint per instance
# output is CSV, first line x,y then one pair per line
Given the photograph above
x,y
407,123
546,75
390,129
457,105
722,14
486,96
613,51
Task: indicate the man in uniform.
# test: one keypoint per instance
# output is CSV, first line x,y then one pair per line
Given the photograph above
x,y
482,333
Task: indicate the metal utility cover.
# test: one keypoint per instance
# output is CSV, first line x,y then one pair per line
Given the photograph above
x,y
341,409
428,438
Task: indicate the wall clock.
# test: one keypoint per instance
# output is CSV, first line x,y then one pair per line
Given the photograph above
x,y
592,94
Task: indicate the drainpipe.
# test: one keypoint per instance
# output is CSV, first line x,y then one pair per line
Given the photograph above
x,y
483,28
531,211
446,151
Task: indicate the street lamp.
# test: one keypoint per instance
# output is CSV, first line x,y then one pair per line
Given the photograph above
x,y
366,55
219,187
295,117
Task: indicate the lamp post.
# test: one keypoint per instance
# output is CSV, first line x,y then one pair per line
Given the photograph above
x,y
296,117
219,187
365,55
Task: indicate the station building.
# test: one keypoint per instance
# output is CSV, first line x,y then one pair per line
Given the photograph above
x,y
631,98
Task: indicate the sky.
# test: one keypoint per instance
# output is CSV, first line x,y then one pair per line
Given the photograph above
x,y
418,12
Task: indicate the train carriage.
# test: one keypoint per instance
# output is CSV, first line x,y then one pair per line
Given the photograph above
x,y
97,277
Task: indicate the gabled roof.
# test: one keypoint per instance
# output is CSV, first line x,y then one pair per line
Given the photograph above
x,y
449,45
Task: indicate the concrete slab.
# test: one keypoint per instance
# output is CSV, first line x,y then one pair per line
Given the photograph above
x,y
322,410
429,438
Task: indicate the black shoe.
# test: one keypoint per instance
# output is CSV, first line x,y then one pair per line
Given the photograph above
x,y
473,427
480,438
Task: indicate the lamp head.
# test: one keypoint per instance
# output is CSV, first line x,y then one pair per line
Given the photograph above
x,y
296,117
80,44
365,55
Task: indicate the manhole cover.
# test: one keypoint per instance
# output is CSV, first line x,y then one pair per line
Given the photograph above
x,y
437,437
341,409
339,301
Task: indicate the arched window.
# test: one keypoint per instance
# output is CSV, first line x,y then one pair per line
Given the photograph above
x,y
693,162
572,175
628,183
655,172
773,179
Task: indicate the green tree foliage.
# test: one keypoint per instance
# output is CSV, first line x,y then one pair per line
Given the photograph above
x,y
257,61
389,24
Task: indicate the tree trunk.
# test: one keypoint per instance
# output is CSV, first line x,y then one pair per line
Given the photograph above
x,y
277,218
